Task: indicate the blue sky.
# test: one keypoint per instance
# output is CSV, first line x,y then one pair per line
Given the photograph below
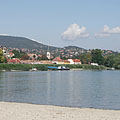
x,y
84,23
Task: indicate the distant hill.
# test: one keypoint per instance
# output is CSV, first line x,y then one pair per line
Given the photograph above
x,y
22,42
75,48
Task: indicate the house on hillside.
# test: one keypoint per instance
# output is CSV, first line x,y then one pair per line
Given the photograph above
x,y
10,55
46,62
30,62
32,56
57,60
13,61
74,61
77,61
66,62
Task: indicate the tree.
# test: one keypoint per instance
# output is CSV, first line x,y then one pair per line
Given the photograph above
x,y
21,55
43,57
16,53
85,58
117,62
34,56
2,58
25,57
97,56
89,58
109,60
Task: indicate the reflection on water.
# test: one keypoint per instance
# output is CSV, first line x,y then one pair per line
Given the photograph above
x,y
97,89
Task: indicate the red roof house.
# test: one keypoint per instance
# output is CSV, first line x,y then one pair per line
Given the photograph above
x,y
57,59
14,60
76,61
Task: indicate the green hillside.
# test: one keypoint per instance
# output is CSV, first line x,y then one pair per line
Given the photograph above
x,y
22,42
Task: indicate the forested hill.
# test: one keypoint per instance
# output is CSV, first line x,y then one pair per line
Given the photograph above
x,y
22,42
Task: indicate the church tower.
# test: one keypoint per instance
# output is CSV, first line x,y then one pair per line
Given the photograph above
x,y
48,54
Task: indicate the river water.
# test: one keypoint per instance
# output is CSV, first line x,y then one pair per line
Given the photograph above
x,y
87,89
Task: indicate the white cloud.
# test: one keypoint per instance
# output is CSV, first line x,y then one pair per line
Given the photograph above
x,y
115,30
106,32
102,35
74,32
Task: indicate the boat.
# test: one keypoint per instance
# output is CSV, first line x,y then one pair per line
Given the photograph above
x,y
58,68
33,69
63,68
110,69
52,68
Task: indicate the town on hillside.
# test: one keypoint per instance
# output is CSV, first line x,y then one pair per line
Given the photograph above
x,y
25,56
67,55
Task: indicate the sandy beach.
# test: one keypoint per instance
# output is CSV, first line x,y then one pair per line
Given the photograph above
x,y
23,111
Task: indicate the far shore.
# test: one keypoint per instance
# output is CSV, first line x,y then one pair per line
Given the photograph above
x,y
24,111
44,67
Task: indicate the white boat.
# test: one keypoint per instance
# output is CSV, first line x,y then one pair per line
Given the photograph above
x,y
58,68
63,68
33,69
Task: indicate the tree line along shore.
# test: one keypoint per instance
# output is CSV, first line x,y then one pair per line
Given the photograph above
x,y
44,67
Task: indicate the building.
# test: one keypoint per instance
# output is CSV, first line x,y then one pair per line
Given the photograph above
x,y
10,55
94,64
58,60
46,62
13,61
77,61
48,55
71,61
66,62
30,62
74,61
32,56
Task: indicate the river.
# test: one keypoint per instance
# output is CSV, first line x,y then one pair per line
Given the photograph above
x,y
86,89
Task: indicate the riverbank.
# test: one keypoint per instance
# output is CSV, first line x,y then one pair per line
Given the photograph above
x,y
22,67
23,111
43,67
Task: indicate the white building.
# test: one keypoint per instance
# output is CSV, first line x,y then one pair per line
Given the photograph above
x,y
74,61
48,55
71,61
94,64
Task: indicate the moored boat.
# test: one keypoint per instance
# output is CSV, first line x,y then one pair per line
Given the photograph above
x,y
58,68
63,68
33,69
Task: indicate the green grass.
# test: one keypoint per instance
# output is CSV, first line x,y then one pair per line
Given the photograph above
x,y
43,67
23,67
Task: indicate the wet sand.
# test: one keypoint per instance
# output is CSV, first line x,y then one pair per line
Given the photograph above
x,y
24,111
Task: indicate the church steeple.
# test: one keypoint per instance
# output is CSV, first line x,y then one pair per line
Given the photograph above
x,y
48,54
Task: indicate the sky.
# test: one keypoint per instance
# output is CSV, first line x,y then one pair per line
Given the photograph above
x,y
88,24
